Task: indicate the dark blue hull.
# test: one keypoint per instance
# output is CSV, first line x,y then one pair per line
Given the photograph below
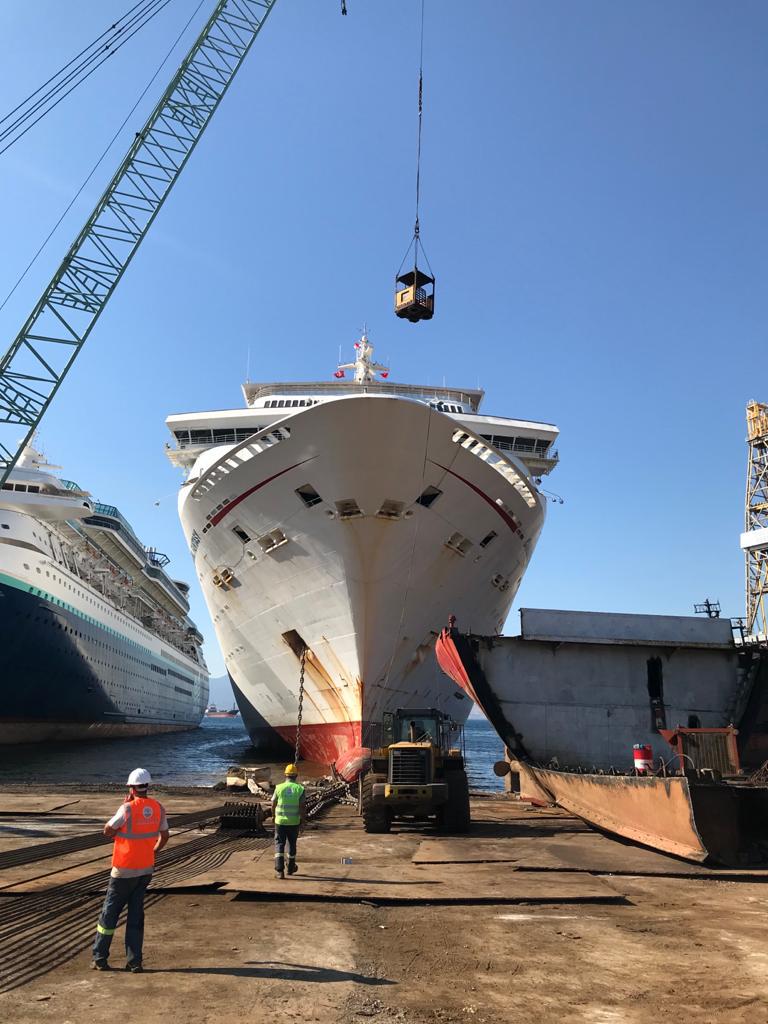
x,y
63,676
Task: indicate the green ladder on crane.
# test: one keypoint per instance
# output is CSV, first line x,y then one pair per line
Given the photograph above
x,y
44,350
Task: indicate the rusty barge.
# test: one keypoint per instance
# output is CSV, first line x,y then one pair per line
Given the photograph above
x,y
576,691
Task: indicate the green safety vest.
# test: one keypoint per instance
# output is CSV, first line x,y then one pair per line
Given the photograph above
x,y
288,805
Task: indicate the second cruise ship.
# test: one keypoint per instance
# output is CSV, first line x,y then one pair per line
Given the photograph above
x,y
95,636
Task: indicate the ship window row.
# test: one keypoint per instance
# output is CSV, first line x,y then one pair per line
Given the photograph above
x,y
446,407
97,661
178,675
95,640
115,615
84,596
31,488
290,403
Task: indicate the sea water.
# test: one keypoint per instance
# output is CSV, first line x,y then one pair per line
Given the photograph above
x,y
196,758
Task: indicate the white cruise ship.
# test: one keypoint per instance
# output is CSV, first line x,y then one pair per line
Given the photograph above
x,y
95,637
343,522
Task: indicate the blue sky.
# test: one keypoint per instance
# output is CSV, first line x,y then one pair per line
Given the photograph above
x,y
594,207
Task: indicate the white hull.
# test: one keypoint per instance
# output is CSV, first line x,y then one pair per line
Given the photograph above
x,y
365,593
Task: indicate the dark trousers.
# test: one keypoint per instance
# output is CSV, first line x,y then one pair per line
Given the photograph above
x,y
122,892
285,834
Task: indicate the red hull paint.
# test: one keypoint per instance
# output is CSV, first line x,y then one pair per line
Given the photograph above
x,y
449,660
323,743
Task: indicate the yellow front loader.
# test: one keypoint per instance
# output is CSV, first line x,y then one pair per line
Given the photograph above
x,y
417,774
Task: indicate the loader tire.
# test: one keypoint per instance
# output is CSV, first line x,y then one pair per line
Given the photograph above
x,y
375,816
455,814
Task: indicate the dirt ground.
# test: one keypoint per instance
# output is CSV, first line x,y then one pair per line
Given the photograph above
x,y
691,948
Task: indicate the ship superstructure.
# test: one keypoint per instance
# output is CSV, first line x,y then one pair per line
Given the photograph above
x,y
96,638
336,524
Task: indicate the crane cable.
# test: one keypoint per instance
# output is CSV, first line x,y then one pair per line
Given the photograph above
x,y
29,113
415,242
109,146
421,111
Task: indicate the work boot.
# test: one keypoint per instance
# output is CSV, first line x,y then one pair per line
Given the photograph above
x,y
100,965
134,968
293,868
280,874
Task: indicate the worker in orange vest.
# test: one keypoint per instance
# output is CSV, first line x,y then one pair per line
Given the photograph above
x,y
140,830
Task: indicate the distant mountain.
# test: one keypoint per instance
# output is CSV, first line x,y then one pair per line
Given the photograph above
x,y
221,692
222,696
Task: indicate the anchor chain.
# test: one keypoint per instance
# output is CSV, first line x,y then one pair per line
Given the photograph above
x,y
301,703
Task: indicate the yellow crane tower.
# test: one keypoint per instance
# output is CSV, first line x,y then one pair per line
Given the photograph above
x,y
754,540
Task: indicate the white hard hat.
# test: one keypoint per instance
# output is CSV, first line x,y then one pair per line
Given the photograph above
x,y
139,777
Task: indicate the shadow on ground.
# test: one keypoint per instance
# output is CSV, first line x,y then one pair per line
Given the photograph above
x,y
283,971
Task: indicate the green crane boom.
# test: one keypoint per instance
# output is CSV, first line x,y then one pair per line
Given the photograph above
x,y
45,348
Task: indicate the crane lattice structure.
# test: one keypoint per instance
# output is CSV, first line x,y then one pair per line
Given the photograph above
x,y
754,540
44,350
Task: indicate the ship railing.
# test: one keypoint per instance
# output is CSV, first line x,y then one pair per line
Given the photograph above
x,y
235,457
169,587
98,571
333,389
211,437
475,445
127,531
535,448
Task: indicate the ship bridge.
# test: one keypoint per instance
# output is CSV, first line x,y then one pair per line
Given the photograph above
x,y
274,402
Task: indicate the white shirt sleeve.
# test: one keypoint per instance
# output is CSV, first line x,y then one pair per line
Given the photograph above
x,y
118,820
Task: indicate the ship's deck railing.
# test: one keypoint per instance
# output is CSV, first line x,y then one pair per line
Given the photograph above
x,y
126,532
167,584
523,447
332,389
205,438
256,444
475,445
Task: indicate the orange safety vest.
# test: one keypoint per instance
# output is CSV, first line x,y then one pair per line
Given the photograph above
x,y
135,841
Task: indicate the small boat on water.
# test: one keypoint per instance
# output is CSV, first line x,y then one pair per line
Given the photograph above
x,y
213,712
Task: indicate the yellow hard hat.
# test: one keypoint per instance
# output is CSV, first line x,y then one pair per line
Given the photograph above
x,y
291,769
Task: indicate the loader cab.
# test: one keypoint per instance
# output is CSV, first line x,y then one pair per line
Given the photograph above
x,y
423,726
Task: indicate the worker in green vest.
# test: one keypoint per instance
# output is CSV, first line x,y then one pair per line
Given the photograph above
x,y
288,811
